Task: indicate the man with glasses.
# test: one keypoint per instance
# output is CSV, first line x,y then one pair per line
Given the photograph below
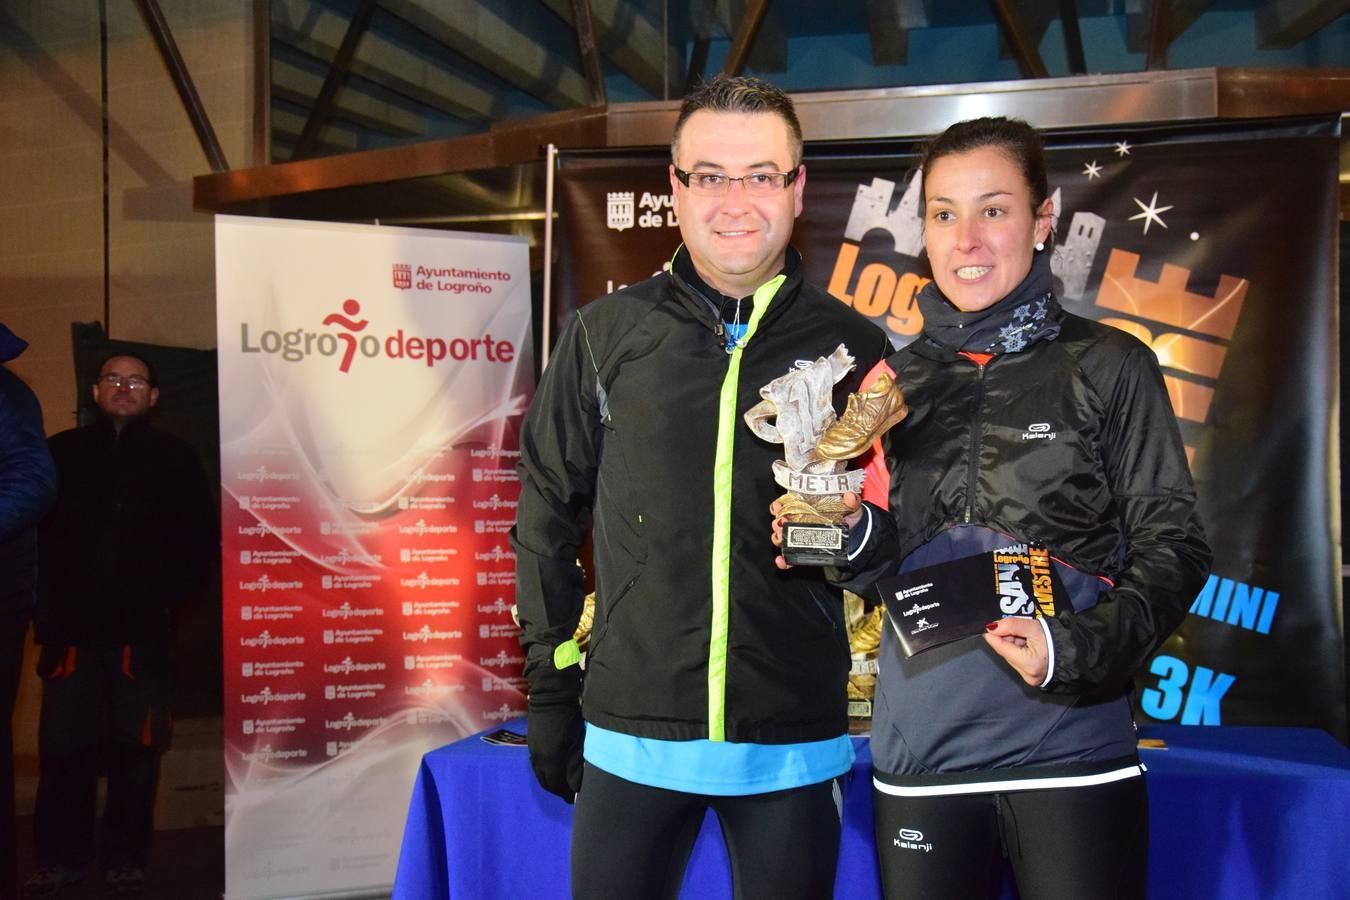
x,y
128,540
712,679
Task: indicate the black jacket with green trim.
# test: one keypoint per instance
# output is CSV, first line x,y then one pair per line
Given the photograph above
x,y
625,429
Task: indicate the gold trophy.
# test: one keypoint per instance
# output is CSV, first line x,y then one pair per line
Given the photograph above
x,y
816,447
864,644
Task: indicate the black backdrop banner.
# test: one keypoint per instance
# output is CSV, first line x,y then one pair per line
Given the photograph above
x,y
1213,243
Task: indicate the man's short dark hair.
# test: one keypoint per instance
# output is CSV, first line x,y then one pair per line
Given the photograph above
x,y
740,94
125,354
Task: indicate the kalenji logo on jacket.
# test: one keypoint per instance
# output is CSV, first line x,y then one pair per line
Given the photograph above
x,y
911,839
1038,431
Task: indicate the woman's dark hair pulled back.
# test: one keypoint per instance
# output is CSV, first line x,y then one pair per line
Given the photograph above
x,y
1013,137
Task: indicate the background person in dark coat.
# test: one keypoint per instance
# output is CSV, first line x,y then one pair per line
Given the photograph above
x,y
27,489
128,541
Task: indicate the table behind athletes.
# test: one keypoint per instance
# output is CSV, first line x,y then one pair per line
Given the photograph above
x,y
1235,813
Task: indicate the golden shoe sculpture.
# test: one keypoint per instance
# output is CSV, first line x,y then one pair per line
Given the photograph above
x,y
868,415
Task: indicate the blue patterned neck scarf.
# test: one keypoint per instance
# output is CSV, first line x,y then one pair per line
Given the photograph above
x,y
1028,314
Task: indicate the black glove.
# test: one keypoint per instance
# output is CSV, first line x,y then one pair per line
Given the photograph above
x,y
554,732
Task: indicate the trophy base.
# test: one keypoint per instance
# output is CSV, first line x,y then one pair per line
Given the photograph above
x,y
860,717
814,544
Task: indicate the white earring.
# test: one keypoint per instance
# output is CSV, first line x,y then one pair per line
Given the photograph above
x,y
1040,245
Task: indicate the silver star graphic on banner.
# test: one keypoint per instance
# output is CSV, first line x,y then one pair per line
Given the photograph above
x,y
1150,212
1092,170
1123,148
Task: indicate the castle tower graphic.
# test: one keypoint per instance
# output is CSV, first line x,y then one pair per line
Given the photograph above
x,y
1072,259
871,209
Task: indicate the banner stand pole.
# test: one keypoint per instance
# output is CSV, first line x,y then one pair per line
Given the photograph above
x,y
546,321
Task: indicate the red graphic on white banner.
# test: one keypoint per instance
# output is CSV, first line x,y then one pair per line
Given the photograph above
x,y
368,450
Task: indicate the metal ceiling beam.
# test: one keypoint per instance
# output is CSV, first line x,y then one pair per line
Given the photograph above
x,y
505,144
261,114
888,26
1181,15
889,40
461,195
630,43
766,50
1158,35
387,122
590,56
337,75
1262,93
418,79
1283,23
1024,51
1073,37
698,62
478,34
360,103
877,114
746,32
159,30
288,126
1033,20
703,20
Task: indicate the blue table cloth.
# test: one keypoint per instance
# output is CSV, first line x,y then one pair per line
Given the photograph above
x,y
1235,813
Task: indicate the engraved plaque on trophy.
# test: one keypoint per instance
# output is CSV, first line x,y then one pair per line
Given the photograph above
x,y
816,447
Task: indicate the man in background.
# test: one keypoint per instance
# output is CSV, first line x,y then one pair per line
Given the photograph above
x,y
27,489
128,541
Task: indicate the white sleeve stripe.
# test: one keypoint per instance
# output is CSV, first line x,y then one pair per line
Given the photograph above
x,y
867,516
1050,651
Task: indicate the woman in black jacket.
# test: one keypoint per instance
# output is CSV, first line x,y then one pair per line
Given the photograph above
x,y
1027,426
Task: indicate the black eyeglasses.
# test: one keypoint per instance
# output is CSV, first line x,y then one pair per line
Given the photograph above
x,y
133,382
715,184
